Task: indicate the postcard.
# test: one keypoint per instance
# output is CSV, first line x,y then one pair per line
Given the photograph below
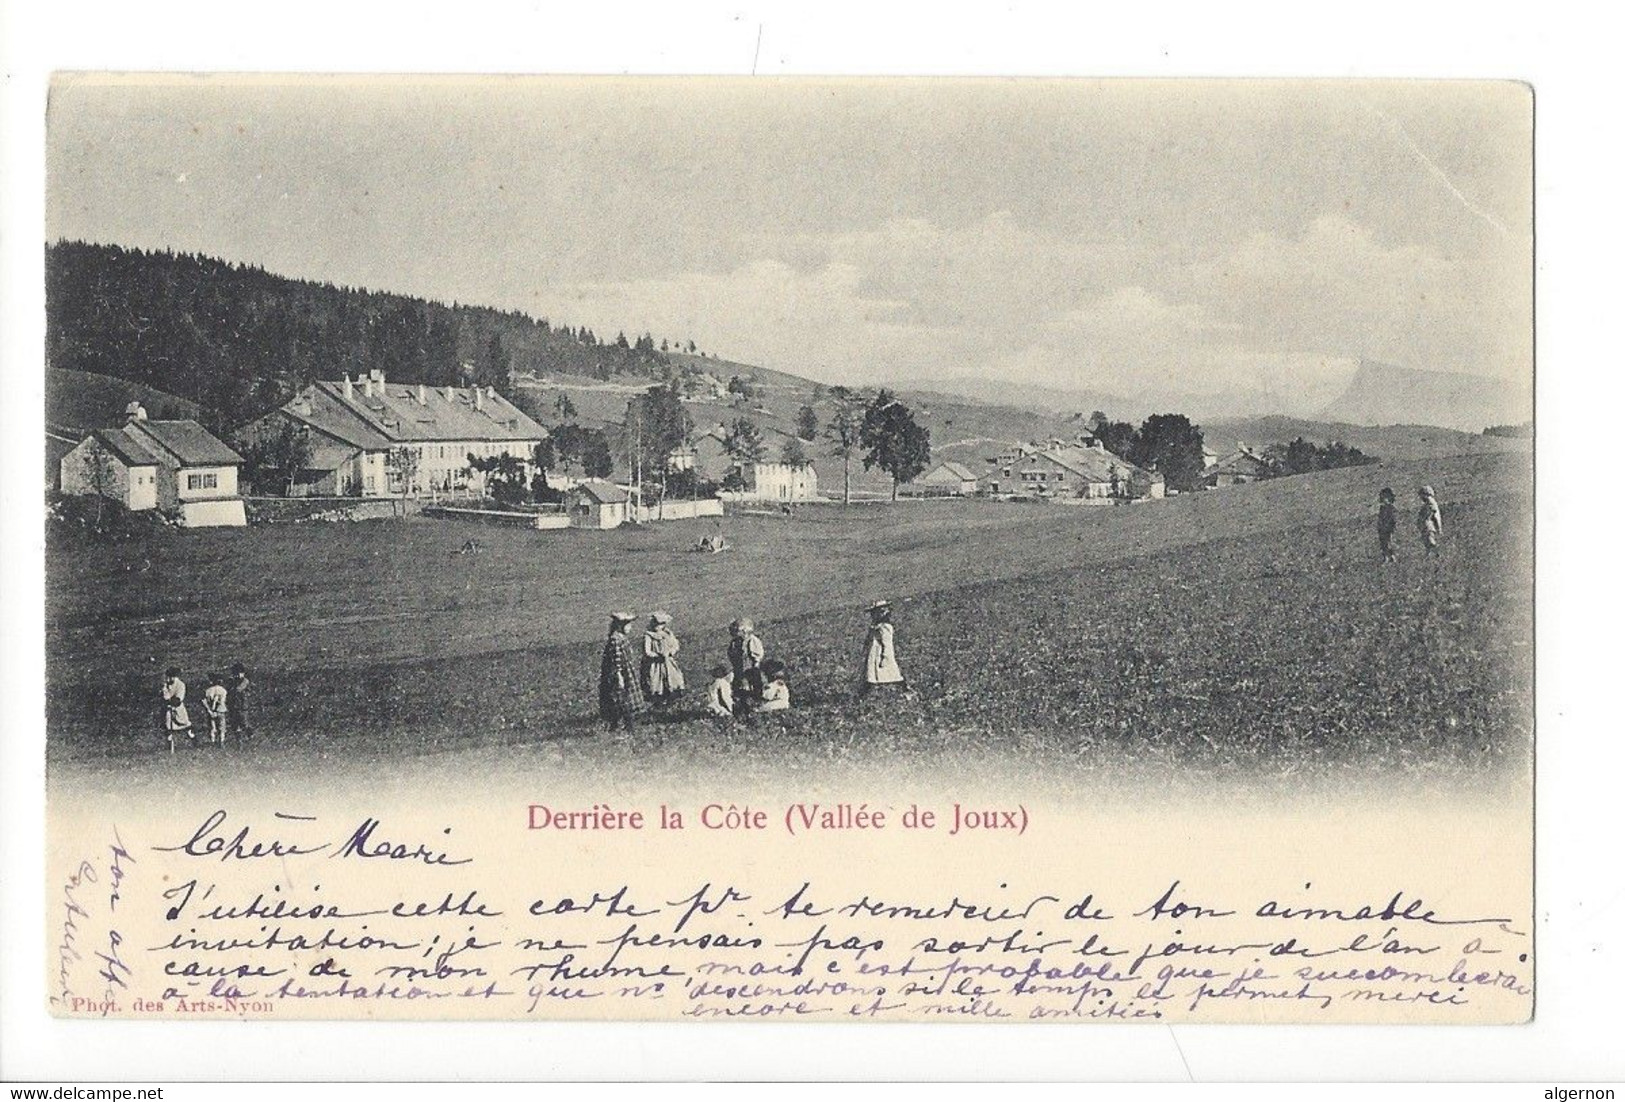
x,y
818,550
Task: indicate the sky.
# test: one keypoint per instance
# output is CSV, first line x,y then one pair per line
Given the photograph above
x,y
1128,237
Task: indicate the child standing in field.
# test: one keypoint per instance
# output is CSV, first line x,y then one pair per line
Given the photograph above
x,y
775,691
620,697
745,652
176,721
880,668
719,698
237,703
662,678
1387,523
214,706
1429,522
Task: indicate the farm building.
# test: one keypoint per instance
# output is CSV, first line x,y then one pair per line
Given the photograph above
x,y
111,464
1087,473
1236,469
174,465
949,479
595,503
356,424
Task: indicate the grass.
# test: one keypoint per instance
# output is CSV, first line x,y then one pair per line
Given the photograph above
x,y
1249,630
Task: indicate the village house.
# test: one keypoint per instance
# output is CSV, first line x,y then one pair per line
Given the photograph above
x,y
356,424
176,466
1084,471
1237,468
786,483
947,479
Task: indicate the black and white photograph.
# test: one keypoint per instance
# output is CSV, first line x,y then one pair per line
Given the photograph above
x,y
1073,429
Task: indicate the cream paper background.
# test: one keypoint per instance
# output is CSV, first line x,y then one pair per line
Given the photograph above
x,y
1580,885
1229,848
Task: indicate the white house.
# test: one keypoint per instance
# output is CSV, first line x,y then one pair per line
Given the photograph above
x,y
781,482
173,465
356,424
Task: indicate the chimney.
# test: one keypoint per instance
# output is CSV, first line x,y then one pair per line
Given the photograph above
x,y
377,375
451,393
423,395
135,411
349,388
366,386
479,398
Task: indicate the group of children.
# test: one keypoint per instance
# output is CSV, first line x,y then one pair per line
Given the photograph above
x,y
1429,522
749,682
225,708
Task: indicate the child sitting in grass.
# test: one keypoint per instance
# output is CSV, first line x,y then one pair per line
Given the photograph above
x,y
719,698
775,691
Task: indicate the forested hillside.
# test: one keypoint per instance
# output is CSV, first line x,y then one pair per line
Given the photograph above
x,y
238,340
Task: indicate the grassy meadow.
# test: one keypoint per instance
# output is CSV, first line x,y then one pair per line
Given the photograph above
x,y
1250,630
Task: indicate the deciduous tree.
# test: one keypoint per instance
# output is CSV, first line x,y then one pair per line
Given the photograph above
x,y
894,441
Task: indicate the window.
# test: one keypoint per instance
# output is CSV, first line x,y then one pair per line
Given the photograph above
x,y
208,481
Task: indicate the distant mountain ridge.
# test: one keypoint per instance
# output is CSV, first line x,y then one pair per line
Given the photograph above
x,y
1383,394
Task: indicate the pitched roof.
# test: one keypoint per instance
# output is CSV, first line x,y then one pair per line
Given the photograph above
x,y
188,441
955,469
1244,459
605,493
1094,464
393,415
128,451
329,415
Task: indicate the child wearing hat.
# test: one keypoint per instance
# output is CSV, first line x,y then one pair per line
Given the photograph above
x,y
880,668
719,698
620,697
176,721
663,679
1387,522
745,652
775,690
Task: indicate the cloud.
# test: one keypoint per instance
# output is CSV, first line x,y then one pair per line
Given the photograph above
x,y
1286,316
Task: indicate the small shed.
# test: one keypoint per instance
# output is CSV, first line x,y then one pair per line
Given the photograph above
x,y
595,503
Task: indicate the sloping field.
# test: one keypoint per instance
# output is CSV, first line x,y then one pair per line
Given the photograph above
x,y
1251,628
84,400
